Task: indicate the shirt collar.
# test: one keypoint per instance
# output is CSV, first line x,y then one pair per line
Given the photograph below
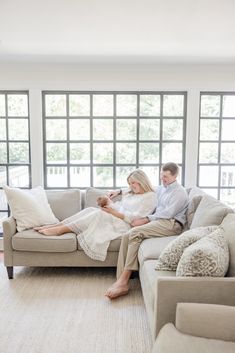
x,y
171,186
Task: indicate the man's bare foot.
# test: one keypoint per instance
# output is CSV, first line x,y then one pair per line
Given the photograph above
x,y
117,290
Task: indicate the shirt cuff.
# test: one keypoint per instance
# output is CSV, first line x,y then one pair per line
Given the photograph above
x,y
151,218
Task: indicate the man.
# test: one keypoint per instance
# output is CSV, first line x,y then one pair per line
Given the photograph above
x,y
168,219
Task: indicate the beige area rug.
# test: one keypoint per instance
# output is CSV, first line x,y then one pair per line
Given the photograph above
x,y
63,310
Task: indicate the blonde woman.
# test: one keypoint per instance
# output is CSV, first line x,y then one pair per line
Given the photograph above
x,y
96,227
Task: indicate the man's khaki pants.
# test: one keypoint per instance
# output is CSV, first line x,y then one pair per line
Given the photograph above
x,y
128,253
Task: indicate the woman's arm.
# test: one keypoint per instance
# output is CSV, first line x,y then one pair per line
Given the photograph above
x,y
113,212
141,209
132,207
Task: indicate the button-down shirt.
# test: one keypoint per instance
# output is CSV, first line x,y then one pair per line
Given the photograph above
x,y
172,202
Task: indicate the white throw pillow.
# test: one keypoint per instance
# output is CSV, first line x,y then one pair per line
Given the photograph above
x,y
208,256
30,208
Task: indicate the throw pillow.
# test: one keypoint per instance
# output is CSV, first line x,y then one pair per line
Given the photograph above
x,y
209,256
30,208
192,207
209,212
228,226
170,256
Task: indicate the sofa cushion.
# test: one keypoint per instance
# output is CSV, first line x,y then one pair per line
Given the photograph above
x,y
149,277
170,256
209,256
209,212
64,203
151,248
113,246
171,340
93,193
30,240
30,208
192,207
206,320
91,196
195,191
228,226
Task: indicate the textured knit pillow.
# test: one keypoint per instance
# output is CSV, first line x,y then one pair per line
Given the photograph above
x,y
30,208
170,256
209,256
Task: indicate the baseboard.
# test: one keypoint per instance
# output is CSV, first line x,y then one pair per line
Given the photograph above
x,y
1,244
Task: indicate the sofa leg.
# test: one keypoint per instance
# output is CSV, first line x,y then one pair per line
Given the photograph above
x,y
10,272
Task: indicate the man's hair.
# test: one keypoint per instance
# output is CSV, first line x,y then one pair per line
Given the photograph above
x,y
172,167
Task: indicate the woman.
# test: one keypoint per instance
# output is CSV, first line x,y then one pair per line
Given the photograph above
x,y
96,227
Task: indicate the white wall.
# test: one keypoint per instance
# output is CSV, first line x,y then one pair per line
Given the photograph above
x,y
190,78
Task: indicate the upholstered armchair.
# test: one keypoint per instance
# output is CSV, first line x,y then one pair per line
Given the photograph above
x,y
204,328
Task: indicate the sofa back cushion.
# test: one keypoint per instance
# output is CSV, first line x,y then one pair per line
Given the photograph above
x,y
209,212
191,210
64,203
93,193
91,196
228,226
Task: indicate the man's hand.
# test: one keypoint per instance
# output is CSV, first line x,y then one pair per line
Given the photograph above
x,y
139,222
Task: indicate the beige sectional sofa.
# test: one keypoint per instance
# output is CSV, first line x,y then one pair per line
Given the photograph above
x,y
162,290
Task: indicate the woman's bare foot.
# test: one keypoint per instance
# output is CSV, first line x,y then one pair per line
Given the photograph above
x,y
45,227
59,230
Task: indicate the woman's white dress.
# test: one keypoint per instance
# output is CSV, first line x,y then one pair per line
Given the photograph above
x,y
96,228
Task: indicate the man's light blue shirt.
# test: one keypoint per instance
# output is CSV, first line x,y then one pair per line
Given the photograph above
x,y
172,202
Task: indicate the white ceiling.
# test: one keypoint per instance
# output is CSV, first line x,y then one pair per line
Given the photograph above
x,y
120,31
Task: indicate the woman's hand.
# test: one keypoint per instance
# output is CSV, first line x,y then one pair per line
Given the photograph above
x,y
113,193
113,212
139,222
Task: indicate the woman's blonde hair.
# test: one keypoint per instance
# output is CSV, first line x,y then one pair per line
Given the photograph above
x,y
140,177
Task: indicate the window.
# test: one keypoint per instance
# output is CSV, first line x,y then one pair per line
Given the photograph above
x,y
14,145
97,138
216,159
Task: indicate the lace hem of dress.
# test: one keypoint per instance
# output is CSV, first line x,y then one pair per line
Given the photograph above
x,y
88,251
72,227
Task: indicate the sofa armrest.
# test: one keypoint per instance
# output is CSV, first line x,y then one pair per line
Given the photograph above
x,y
173,290
206,320
9,229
